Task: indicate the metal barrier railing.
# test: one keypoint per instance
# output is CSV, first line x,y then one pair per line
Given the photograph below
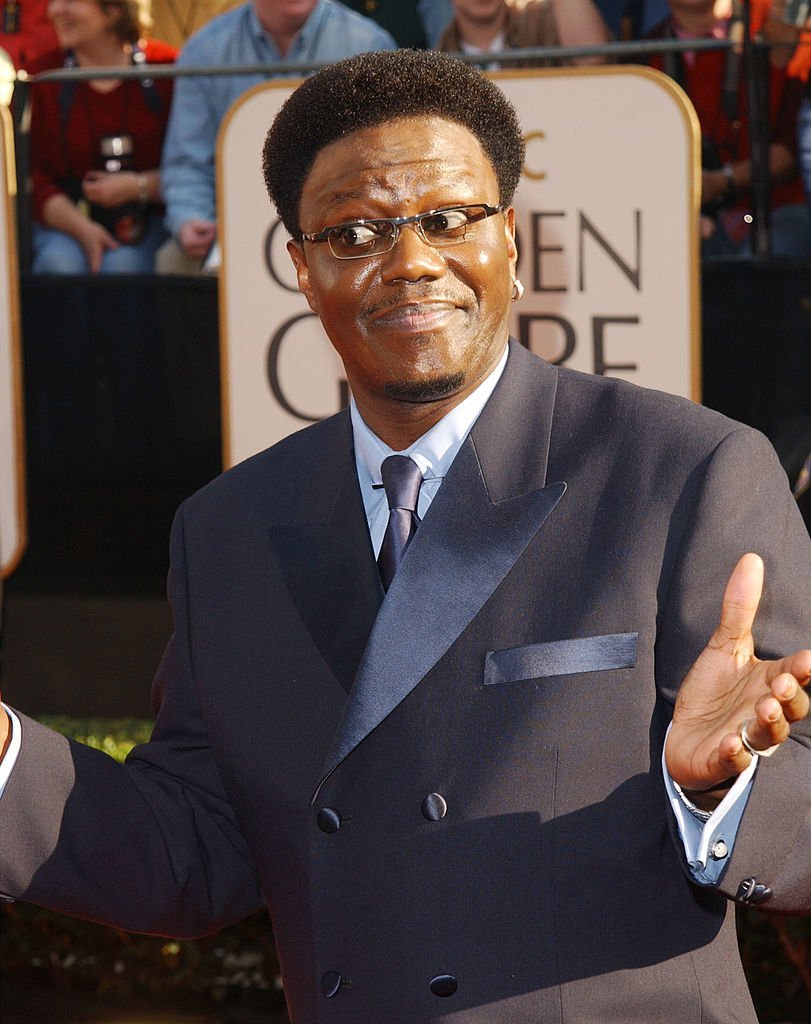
x,y
754,52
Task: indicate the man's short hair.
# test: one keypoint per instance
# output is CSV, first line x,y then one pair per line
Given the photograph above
x,y
373,89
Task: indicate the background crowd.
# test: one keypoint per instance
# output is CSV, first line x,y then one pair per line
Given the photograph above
x,y
124,171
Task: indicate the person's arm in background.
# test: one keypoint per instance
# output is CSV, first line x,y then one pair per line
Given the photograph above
x,y
737,180
187,164
579,23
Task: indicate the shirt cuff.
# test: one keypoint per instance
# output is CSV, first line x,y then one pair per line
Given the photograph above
x,y
13,752
708,838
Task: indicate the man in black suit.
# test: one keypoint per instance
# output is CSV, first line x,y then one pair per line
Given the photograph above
x,y
446,776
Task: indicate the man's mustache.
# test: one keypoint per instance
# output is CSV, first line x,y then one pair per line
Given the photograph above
x,y
408,296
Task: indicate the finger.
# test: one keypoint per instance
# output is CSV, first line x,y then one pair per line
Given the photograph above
x,y
793,699
740,605
771,724
733,757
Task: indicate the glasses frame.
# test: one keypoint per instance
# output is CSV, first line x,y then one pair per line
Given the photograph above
x,y
396,223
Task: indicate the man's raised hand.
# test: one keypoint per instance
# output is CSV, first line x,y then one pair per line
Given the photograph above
x,y
729,687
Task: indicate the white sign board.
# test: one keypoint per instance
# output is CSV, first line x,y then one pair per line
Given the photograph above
x,y
12,493
607,219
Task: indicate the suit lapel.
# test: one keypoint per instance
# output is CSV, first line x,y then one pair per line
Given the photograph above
x,y
492,503
326,557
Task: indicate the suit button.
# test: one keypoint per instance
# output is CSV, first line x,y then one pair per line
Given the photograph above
x,y
331,984
434,807
444,985
329,820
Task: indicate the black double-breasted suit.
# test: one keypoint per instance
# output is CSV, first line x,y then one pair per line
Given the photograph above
x,y
451,798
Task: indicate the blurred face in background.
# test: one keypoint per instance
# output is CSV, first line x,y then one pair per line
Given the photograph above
x,y
283,16
484,12
82,23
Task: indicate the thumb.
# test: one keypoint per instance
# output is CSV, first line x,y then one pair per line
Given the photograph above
x,y
740,604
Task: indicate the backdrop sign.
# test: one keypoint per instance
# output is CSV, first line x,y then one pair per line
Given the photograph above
x,y
12,519
607,217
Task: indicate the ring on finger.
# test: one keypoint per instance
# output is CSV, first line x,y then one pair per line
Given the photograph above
x,y
748,743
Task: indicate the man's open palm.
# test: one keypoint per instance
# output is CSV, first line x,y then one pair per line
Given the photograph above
x,y
728,686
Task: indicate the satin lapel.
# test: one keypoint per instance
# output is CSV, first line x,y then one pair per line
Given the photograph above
x,y
327,561
486,513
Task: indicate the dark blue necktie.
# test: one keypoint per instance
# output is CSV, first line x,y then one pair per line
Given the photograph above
x,y
402,479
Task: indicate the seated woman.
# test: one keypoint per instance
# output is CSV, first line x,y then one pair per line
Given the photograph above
x,y
95,146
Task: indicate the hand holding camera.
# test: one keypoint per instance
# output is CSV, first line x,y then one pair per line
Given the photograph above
x,y
106,188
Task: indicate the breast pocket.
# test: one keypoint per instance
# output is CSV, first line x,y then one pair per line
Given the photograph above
x,y
561,658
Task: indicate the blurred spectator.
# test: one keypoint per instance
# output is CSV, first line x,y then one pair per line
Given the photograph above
x,y
800,67
486,26
26,32
95,146
436,16
714,81
258,32
413,23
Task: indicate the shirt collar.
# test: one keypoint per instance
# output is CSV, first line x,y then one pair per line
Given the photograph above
x,y
435,451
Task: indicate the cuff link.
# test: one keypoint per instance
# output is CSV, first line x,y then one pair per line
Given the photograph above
x,y
753,892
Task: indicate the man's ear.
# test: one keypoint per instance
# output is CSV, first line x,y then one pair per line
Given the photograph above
x,y
509,234
296,250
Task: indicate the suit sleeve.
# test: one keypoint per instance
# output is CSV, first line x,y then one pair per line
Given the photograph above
x,y
152,845
741,502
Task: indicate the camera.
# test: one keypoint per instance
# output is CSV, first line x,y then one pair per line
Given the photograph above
x,y
126,223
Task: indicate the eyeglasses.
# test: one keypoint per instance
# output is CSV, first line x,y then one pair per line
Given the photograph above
x,y
358,239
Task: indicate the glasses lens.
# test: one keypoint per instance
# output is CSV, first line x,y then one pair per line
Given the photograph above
x,y
353,241
449,227
374,237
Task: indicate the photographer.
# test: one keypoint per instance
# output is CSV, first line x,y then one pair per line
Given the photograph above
x,y
95,146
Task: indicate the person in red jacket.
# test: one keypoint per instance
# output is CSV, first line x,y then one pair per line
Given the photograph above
x,y
95,146
724,117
